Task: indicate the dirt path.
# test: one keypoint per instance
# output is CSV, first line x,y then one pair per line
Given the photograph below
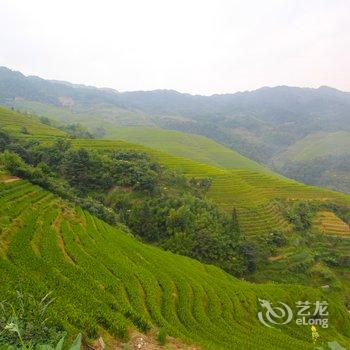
x,y
139,341
7,179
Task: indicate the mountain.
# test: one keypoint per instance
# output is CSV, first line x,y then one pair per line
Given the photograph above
x,y
261,124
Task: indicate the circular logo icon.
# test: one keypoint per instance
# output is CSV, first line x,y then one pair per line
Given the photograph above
x,y
274,315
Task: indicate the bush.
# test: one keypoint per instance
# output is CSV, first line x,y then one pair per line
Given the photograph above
x,y
300,214
277,239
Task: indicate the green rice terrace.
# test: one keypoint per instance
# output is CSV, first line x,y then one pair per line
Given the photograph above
x,y
328,223
252,194
106,281
176,143
26,126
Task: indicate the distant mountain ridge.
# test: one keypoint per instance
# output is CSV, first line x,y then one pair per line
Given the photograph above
x,y
262,101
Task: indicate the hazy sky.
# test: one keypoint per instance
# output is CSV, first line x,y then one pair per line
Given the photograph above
x,y
196,46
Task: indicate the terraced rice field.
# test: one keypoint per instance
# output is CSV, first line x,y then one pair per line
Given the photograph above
x,y
13,122
251,193
328,223
104,279
191,146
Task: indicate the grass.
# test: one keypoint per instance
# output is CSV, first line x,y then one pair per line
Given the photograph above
x,y
105,279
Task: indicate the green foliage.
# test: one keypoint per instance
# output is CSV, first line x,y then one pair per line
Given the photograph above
x,y
76,345
4,140
277,239
39,175
185,225
45,120
261,124
77,131
300,214
320,159
24,130
330,171
24,321
101,274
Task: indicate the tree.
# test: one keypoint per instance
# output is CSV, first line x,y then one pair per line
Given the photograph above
x,y
234,221
24,130
4,140
76,168
45,120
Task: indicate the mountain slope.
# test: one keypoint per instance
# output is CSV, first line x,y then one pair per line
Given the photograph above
x,y
252,194
322,159
317,145
185,145
26,126
107,280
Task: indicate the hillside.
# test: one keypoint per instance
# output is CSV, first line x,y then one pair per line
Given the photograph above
x,y
318,145
252,194
322,159
263,125
26,126
196,147
137,285
108,282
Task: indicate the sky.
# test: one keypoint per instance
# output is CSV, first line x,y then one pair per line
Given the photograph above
x,y
194,46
